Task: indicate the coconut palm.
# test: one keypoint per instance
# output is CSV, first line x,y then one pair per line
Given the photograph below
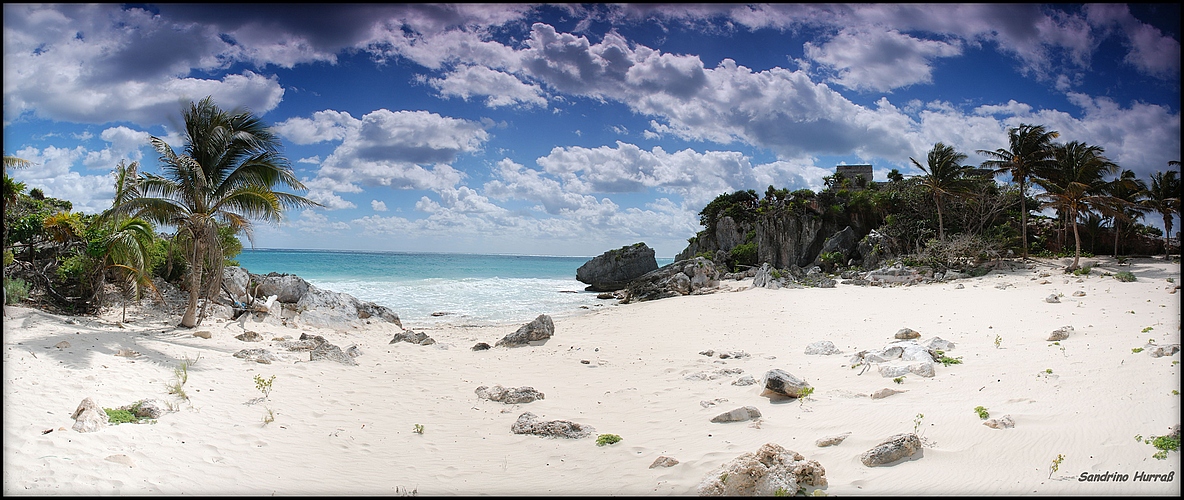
x,y
1164,197
1123,204
1029,148
1075,183
226,176
945,176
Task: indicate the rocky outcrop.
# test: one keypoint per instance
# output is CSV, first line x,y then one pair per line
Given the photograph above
x,y
685,277
782,383
900,358
614,269
541,328
513,395
289,300
410,336
89,417
771,471
844,242
529,423
892,449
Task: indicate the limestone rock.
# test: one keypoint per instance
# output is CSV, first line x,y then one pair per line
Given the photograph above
x,y
1004,422
831,440
723,372
237,280
89,416
121,459
885,392
892,449
353,351
745,380
685,277
145,408
1061,333
1157,351
893,371
907,334
481,346
764,473
614,269
249,337
413,337
823,347
529,423
203,334
738,415
664,461
1079,293
293,301
939,344
257,355
331,352
844,242
541,328
513,395
1053,299
924,369
781,382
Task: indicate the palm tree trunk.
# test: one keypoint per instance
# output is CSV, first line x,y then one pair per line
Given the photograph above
x,y
1116,230
1167,235
1077,239
1024,219
189,320
941,231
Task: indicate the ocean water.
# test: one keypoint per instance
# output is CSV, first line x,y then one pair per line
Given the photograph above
x,y
473,289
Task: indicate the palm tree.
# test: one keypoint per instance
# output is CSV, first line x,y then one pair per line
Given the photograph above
x,y
1164,197
1124,202
1029,148
1074,183
945,176
12,187
226,176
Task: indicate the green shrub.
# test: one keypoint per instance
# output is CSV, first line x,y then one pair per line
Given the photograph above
x,y
1124,276
742,255
947,361
1083,271
604,439
15,290
121,416
978,271
982,412
9,258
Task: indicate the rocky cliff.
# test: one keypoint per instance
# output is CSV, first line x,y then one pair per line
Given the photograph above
x,y
613,269
780,238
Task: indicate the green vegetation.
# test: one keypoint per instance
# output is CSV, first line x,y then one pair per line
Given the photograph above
x,y
418,429
899,380
1137,350
605,439
1056,465
1082,272
1147,329
982,412
1162,443
917,422
181,377
264,385
120,416
1048,371
1125,276
947,361
998,341
15,290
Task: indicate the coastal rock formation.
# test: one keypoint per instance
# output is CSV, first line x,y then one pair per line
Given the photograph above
x,y
331,352
413,337
822,347
664,461
892,449
89,417
891,357
292,301
513,395
738,415
1059,334
541,328
781,382
529,423
897,274
769,471
844,243
831,440
614,269
684,277
872,249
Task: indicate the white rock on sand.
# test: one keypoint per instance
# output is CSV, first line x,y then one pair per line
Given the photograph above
x,y
341,429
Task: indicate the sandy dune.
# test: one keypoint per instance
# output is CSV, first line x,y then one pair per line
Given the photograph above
x,y
350,429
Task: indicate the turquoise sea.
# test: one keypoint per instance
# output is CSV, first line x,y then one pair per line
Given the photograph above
x,y
475,289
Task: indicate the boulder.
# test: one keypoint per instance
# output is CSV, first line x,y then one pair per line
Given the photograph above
x,y
89,416
288,288
831,440
822,347
938,344
892,449
907,334
331,352
481,346
781,382
529,423
1061,333
413,337
292,301
1004,422
664,461
541,328
614,269
871,249
203,334
513,395
772,470
685,277
236,281
767,277
738,415
1053,299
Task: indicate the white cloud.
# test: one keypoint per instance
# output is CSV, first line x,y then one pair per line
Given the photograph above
x,y
880,60
378,206
312,222
500,89
327,125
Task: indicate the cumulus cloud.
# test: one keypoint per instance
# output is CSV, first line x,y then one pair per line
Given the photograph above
x,y
880,60
500,89
378,206
312,222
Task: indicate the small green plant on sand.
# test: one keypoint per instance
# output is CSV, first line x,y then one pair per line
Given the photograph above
x,y
268,417
604,439
121,416
947,361
998,341
782,492
1175,392
1147,329
264,385
181,377
1056,465
418,429
1162,443
1082,271
1125,276
917,422
899,380
1137,350
982,412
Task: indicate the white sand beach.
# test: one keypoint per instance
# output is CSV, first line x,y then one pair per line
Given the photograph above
x,y
351,429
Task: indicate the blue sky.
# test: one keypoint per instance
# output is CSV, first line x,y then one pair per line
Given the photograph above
x,y
569,130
